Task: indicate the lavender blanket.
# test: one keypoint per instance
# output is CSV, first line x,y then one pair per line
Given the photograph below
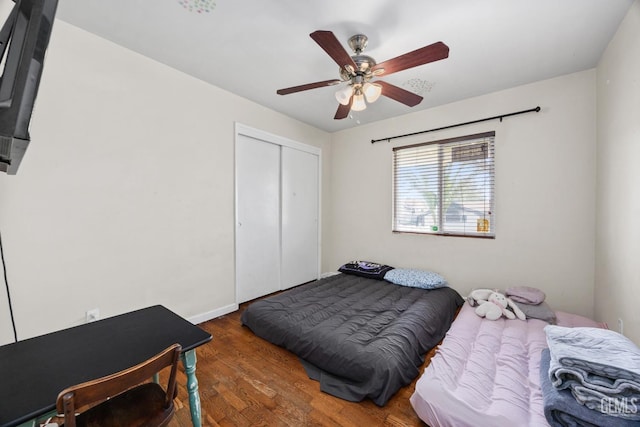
x,y
600,367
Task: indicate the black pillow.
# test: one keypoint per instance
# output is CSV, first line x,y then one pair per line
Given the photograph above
x,y
369,269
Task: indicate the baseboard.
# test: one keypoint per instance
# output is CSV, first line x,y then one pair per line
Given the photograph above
x,y
328,274
200,318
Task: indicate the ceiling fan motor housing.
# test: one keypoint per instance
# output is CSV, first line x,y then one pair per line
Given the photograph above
x,y
364,63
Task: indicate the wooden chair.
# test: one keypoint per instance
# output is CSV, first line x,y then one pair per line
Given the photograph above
x,y
122,399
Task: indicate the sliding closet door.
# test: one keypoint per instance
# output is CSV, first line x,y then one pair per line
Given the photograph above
x,y
299,217
257,218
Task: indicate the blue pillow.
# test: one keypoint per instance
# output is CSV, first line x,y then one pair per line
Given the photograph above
x,y
415,278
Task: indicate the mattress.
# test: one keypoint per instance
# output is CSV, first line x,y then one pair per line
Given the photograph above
x,y
361,338
487,373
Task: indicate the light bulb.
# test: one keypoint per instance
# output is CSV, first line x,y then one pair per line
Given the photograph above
x,y
344,95
358,102
372,91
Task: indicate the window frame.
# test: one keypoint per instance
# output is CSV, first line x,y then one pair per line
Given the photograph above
x,y
490,165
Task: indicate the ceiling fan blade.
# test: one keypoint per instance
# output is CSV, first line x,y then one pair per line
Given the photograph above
x,y
424,55
343,110
308,86
399,94
328,41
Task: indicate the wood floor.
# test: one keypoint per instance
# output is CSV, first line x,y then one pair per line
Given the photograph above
x,y
246,381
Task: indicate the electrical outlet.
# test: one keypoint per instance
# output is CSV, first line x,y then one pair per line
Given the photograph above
x,y
93,315
620,326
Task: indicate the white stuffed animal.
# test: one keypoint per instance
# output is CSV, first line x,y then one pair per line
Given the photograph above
x,y
493,305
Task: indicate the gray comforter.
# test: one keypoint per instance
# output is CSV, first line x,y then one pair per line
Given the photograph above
x,y
359,337
599,366
561,409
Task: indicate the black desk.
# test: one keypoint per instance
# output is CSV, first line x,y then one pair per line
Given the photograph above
x,y
34,371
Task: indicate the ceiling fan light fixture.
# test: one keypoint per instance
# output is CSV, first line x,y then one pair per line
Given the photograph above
x,y
358,101
343,95
372,91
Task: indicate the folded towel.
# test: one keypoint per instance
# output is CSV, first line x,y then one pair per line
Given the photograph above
x,y
525,294
561,409
540,311
600,367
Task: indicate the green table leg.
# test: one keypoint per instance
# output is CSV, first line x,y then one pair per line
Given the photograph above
x,y
189,362
34,423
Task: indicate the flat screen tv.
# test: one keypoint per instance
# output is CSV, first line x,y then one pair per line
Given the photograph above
x,y
24,38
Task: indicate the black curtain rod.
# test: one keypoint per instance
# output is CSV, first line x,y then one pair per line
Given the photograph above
x,y
502,116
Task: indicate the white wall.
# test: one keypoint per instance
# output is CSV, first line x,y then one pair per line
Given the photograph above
x,y
545,180
618,195
125,197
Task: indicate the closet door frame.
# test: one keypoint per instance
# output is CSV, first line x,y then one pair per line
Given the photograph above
x,y
241,129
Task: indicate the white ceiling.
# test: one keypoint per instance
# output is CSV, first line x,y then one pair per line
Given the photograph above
x,y
254,47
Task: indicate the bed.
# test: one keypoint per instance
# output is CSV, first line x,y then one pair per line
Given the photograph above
x,y
487,373
359,337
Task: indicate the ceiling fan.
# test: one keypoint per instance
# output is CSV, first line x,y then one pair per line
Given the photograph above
x,y
358,71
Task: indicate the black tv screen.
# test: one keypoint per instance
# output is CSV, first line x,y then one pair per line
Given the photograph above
x,y
24,38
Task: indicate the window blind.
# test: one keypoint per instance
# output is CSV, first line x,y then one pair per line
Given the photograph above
x,y
446,187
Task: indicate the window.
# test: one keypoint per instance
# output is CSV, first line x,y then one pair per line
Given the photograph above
x,y
445,187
